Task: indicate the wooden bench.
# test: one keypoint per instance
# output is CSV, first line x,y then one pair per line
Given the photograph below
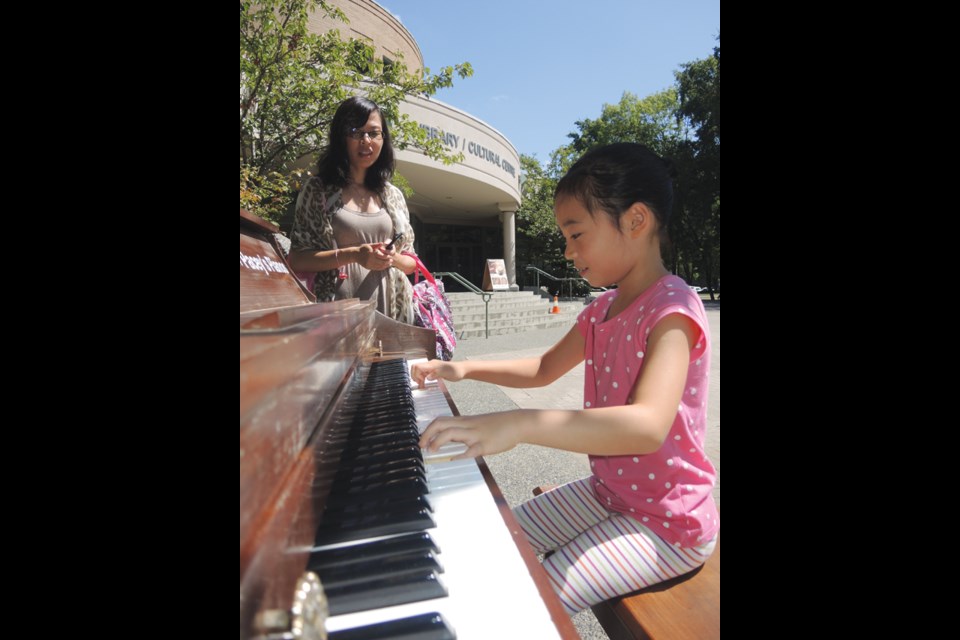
x,y
684,607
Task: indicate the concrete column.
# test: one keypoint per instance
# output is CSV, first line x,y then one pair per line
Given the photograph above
x,y
509,219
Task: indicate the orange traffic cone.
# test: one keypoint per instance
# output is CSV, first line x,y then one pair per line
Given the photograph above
x,y
556,305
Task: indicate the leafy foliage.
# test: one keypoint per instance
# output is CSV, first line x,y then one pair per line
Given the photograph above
x,y
292,81
682,124
699,90
539,242
651,121
268,195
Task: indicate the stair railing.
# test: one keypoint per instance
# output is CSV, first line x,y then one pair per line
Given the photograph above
x,y
475,289
540,272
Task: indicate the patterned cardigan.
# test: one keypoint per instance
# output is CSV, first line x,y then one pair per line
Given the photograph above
x,y
313,230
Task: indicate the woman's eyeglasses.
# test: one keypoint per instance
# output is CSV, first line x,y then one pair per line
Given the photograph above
x,y
358,134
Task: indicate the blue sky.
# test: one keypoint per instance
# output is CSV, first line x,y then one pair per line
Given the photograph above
x,y
539,66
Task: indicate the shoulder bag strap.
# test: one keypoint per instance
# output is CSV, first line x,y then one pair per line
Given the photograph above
x,y
426,273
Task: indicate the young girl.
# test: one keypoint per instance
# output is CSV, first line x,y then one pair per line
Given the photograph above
x,y
646,514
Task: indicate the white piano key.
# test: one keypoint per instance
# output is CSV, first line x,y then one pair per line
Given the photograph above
x,y
430,403
491,593
445,453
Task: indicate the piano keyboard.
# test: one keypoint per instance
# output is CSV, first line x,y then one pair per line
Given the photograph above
x,y
459,556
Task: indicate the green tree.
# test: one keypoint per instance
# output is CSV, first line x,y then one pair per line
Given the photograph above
x,y
699,91
291,82
651,121
654,122
539,243
698,85
657,121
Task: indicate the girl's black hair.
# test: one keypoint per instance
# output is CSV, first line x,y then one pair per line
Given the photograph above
x,y
334,165
613,177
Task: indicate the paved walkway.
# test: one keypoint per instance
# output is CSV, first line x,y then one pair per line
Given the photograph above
x,y
518,471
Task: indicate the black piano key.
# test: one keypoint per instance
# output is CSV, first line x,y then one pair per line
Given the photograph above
x,y
373,525
391,393
412,563
382,482
354,479
396,379
386,389
392,402
385,593
367,513
426,626
395,489
369,436
387,393
366,432
377,505
386,419
366,551
364,441
395,382
347,476
359,448
346,472
369,485
374,458
399,411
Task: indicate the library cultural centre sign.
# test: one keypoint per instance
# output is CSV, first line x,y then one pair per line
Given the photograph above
x,y
469,148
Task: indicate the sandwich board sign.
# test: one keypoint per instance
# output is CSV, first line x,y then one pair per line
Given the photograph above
x,y
495,276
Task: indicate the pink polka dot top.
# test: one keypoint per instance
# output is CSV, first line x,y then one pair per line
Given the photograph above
x,y
670,490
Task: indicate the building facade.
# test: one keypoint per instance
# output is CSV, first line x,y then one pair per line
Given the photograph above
x,y
464,213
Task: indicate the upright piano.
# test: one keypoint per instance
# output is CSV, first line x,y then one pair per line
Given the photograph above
x,y
346,530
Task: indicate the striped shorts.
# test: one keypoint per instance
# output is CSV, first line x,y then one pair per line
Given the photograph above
x,y
599,554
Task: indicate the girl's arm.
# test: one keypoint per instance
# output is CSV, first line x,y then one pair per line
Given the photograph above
x,y
522,373
638,427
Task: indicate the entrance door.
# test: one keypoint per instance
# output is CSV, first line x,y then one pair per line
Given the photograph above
x,y
459,259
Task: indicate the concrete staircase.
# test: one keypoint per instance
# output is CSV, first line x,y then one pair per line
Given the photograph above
x,y
510,312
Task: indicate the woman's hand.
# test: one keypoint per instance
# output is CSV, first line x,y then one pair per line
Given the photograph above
x,y
423,371
373,257
484,435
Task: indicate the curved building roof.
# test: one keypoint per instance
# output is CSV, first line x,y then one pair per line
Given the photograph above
x,y
483,184
371,22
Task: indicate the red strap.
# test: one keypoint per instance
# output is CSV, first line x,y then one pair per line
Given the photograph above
x,y
426,273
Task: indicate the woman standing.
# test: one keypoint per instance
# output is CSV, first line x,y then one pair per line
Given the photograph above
x,y
349,212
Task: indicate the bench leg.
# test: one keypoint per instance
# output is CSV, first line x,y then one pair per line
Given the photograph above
x,y
615,628
543,489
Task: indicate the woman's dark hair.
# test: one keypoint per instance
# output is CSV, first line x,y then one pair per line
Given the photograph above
x,y
334,165
613,177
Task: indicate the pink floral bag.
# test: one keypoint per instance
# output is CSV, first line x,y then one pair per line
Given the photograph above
x,y
431,309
